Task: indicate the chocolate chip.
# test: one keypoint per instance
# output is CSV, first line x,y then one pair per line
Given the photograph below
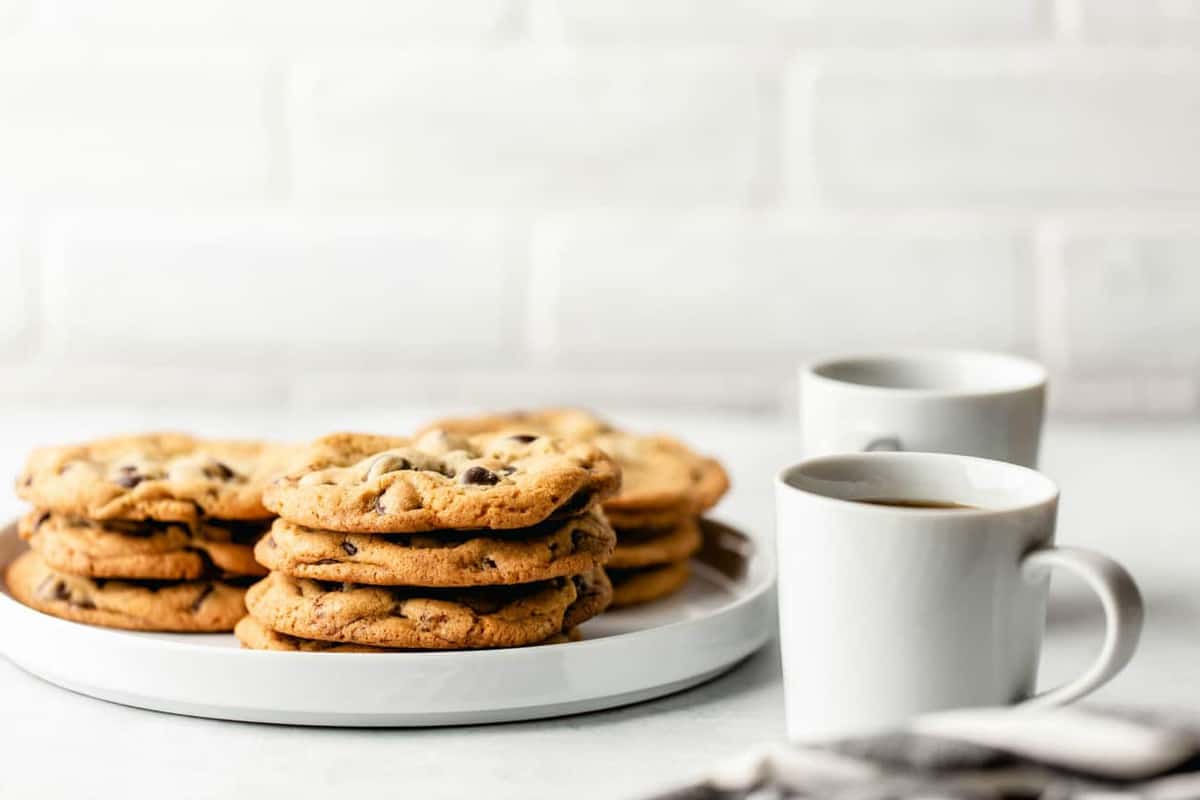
x,y
128,479
53,588
388,462
479,476
321,562
509,470
199,601
379,507
583,587
488,563
219,471
37,523
349,548
523,438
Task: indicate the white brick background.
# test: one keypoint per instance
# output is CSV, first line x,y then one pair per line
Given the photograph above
x,y
669,202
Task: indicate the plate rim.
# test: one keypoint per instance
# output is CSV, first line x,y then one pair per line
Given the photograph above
x,y
717,640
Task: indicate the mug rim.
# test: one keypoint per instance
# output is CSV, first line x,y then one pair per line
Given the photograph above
x,y
1049,494
1037,374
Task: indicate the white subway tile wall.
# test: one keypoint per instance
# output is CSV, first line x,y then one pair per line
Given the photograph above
x,y
1037,130
811,22
1139,21
15,302
244,291
512,129
754,291
1133,300
82,126
275,26
671,202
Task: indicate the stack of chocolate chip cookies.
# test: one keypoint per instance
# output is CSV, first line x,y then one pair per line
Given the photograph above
x,y
147,532
440,542
665,488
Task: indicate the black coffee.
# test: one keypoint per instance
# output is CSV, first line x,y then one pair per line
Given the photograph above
x,y
901,502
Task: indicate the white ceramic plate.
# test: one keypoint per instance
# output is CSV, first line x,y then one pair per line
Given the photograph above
x,y
626,656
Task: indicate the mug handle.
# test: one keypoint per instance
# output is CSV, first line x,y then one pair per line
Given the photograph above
x,y
880,443
1123,613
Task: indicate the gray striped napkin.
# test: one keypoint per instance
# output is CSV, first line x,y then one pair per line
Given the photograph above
x,y
980,754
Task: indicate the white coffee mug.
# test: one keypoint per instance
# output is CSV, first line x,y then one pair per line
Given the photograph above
x,y
978,404
888,611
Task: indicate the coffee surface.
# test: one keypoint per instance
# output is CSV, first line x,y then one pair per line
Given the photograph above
x,y
904,502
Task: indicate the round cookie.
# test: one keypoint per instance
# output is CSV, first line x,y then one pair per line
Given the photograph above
x,y
663,481
171,477
380,484
550,549
426,619
255,636
642,548
192,606
169,551
635,587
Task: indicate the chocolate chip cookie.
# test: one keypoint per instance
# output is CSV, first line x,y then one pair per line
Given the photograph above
x,y
171,477
421,618
135,605
663,481
633,587
255,636
551,549
640,547
170,551
381,484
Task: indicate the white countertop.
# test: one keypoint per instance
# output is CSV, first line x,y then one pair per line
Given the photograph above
x,y
1128,490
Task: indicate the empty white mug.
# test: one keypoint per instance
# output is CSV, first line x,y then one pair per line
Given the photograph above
x,y
978,404
888,611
